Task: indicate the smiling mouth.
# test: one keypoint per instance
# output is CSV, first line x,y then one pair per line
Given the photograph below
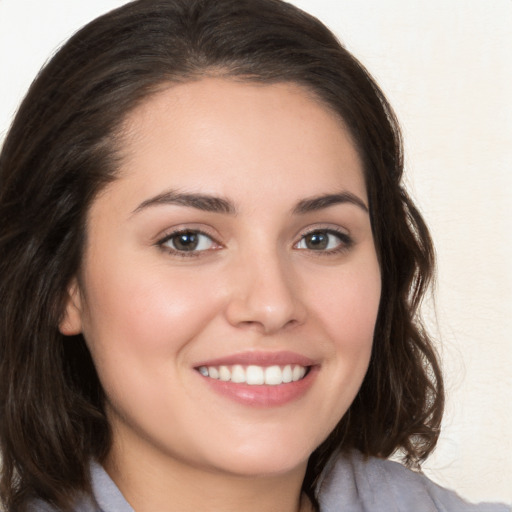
x,y
254,375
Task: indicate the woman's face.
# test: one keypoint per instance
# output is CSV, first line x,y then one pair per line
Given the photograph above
x,y
230,283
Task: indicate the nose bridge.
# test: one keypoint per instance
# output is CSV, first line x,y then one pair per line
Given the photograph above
x,y
264,291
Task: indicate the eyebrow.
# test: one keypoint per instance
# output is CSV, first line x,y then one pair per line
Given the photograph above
x,y
202,202
209,203
326,200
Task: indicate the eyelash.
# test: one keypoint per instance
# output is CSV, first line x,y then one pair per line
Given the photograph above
x,y
183,253
345,242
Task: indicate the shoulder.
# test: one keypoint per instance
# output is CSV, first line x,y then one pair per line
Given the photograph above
x,y
40,506
106,496
84,505
43,506
353,483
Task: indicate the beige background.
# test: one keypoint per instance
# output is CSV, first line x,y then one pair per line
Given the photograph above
x,y
446,66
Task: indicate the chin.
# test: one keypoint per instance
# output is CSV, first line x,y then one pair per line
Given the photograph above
x,y
272,457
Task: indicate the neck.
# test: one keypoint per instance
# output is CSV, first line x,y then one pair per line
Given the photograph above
x,y
150,481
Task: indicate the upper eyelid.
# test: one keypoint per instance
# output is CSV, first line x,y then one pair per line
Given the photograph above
x,y
183,231
323,227
346,240
170,232
167,234
331,229
172,251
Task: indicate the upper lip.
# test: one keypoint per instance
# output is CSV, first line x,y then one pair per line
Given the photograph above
x,y
257,358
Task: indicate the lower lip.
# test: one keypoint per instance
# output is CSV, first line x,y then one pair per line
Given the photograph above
x,y
263,396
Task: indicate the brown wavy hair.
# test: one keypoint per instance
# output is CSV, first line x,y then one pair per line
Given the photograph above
x,y
63,148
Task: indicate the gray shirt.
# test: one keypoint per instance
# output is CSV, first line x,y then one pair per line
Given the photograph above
x,y
349,483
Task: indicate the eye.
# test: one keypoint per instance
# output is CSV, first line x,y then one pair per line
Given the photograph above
x,y
327,240
187,241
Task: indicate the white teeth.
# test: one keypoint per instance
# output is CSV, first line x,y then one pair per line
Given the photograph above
x,y
298,372
224,373
273,376
237,374
287,373
255,375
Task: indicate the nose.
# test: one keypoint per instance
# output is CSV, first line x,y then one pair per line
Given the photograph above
x,y
265,295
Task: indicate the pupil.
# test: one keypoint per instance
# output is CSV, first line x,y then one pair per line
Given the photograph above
x,y
317,241
186,241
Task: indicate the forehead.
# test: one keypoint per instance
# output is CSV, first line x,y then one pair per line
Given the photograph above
x,y
221,134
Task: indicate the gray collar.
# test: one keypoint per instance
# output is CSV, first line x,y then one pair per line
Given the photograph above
x,y
349,483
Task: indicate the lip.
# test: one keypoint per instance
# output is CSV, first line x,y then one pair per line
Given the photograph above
x,y
280,358
262,395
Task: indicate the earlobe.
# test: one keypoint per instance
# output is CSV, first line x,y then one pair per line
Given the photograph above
x,y
71,321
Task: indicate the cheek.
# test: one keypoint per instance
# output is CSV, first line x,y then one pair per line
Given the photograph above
x,y
344,305
348,310
147,315
140,331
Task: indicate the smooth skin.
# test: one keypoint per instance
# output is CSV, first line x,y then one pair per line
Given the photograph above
x,y
212,242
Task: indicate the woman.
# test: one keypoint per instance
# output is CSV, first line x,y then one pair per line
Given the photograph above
x,y
210,274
